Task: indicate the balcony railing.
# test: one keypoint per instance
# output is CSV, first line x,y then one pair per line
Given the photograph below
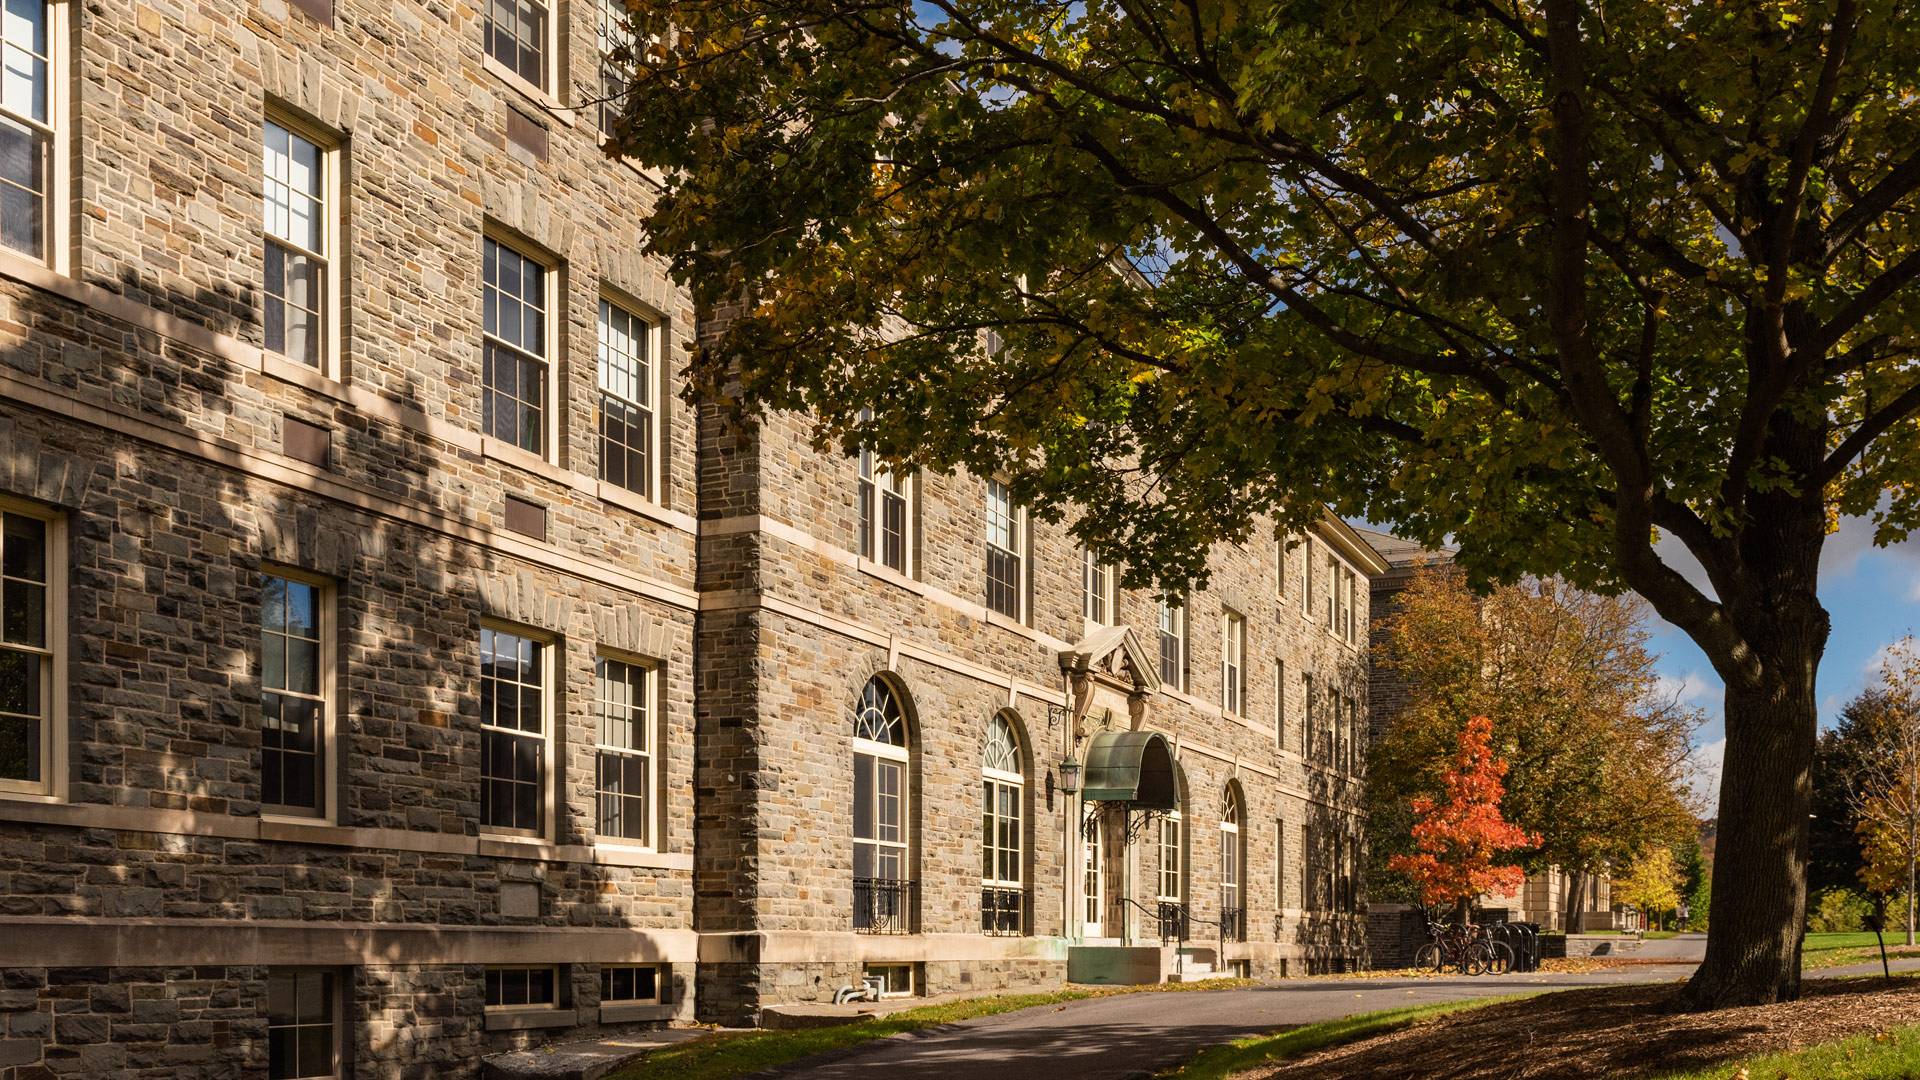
x,y
1003,911
883,905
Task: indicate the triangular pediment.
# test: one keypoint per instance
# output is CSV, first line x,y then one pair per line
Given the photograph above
x,y
1114,653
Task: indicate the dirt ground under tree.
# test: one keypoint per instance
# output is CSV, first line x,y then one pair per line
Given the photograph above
x,y
1616,1031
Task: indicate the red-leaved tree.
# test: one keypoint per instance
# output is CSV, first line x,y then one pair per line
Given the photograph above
x,y
1458,841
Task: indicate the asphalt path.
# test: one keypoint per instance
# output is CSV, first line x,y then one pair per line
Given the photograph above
x,y
1131,1036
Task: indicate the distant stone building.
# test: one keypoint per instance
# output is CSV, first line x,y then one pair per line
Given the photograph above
x,y
1545,898
393,669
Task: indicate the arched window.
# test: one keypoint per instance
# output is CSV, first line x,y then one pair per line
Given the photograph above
x,y
881,885
1003,797
1232,863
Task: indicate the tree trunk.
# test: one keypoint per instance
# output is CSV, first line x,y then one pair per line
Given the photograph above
x,y
1758,912
1576,900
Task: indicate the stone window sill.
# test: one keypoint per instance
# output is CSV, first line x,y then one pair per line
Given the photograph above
x,y
633,1012
311,378
510,454
530,1019
535,94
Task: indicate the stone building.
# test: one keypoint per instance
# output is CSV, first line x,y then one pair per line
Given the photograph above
x,y
393,670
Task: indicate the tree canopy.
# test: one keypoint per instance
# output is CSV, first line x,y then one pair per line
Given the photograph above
x,y
1547,277
1462,843
1597,754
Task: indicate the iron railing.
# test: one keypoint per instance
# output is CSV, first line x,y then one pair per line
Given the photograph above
x,y
883,905
1233,924
1003,911
1173,920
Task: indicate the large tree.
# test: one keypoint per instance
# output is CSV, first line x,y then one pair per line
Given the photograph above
x,y
1550,277
1462,843
1597,750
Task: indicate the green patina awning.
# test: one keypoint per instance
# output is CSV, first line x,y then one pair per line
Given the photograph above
x,y
1132,767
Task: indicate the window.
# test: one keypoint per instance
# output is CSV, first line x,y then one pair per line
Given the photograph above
x,y
884,517
1097,594
1279,704
892,980
513,731
628,440
31,632
1173,645
1232,907
1331,594
296,197
523,988
1280,863
1349,600
1003,791
616,61
302,1038
517,38
1170,863
1309,870
515,402
880,811
1280,568
27,119
1306,578
1006,547
624,984
624,755
295,683
1233,667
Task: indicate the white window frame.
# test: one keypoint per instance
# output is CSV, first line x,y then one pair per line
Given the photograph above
x,y
996,784
651,378
1280,863
1280,569
1099,604
55,224
1231,856
549,667
886,973
1176,873
613,33
559,988
326,784
1233,662
551,420
332,220
52,785
1015,516
549,82
1173,624
650,726
877,484
1306,579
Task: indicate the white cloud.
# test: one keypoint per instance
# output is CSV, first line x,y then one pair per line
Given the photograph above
x,y
1695,688
1706,761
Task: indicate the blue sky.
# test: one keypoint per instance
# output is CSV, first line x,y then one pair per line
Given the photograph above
x,y
1873,597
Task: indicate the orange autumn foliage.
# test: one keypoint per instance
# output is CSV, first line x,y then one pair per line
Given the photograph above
x,y
1458,840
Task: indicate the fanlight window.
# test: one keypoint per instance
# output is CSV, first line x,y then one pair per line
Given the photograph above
x,y
877,716
1003,750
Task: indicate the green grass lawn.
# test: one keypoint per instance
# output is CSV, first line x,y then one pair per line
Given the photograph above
x,y
1836,950
1236,1057
1661,935
1891,1056
736,1053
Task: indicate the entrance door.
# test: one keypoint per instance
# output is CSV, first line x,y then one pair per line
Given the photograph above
x,y
1094,876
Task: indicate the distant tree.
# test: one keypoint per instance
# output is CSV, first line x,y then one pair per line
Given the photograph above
x,y
1460,840
1597,756
1652,882
1833,845
1700,905
1884,782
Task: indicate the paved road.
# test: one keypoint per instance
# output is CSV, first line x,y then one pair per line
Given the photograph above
x,y
1136,1035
